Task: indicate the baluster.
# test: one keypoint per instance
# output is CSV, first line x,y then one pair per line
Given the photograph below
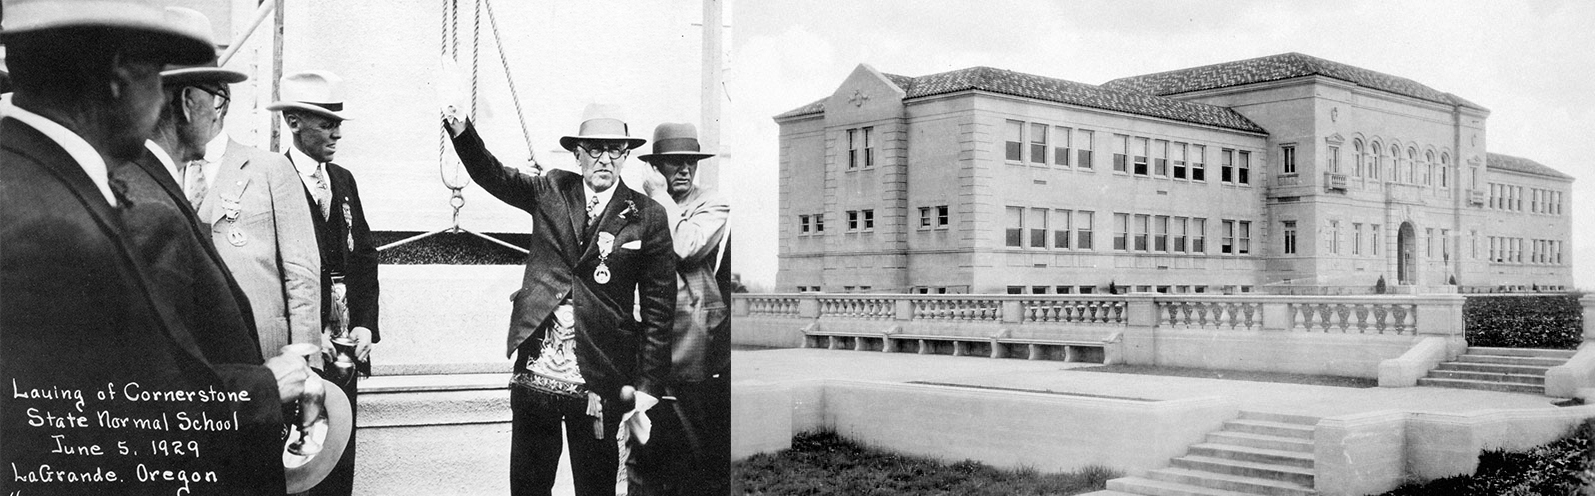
x,y
1379,313
1400,314
1343,314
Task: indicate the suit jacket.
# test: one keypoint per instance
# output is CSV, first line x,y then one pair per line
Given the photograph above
x,y
81,307
344,240
255,218
613,349
702,332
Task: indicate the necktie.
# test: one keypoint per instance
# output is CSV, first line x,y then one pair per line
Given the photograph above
x,y
592,205
322,192
194,183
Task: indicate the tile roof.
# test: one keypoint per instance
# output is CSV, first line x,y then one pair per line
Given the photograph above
x,y
1057,90
1520,164
1275,68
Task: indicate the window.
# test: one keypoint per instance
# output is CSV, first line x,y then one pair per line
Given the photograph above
x,y
1142,222
1141,147
1373,239
1121,231
1063,289
1332,241
1083,148
1016,227
1060,229
852,148
1473,242
869,146
1428,242
1082,229
924,217
1088,289
803,223
1060,149
1445,171
1395,168
1038,228
1038,290
1160,233
1356,238
852,220
1198,162
1374,161
1495,249
869,220
1287,160
819,222
1243,170
1038,143
1245,245
1415,171
1181,230
1180,150
1227,244
1428,169
1121,152
1016,290
1333,159
1160,158
1356,157
1290,237
1015,133
943,217
1199,235
1226,165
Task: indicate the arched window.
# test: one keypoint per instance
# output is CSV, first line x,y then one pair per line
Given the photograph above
x,y
1445,169
1374,163
1428,167
1395,166
1356,157
1415,171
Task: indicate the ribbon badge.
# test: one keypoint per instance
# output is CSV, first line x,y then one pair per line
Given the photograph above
x,y
606,245
230,210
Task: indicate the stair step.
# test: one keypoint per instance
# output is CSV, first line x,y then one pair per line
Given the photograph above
x,y
1488,376
1512,360
1284,418
1256,455
1297,475
1269,428
1261,441
1249,485
1149,487
1481,385
1532,352
1493,367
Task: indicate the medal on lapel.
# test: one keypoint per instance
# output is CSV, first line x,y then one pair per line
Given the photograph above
x,y
348,225
606,244
230,211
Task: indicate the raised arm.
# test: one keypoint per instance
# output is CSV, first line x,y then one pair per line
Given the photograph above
x,y
512,186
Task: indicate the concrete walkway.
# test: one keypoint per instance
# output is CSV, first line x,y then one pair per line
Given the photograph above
x,y
787,365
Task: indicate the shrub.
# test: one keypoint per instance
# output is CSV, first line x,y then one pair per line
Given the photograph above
x,y
1540,321
1558,467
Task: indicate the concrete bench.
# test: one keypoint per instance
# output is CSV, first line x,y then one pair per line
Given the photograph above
x,y
814,337
1051,349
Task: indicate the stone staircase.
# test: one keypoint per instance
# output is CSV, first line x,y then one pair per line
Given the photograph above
x,y
1259,453
1515,370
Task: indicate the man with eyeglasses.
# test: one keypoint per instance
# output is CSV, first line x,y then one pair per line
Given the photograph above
x,y
581,357
313,107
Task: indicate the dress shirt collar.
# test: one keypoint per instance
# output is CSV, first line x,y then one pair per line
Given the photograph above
x,y
216,148
603,196
304,164
166,160
76,147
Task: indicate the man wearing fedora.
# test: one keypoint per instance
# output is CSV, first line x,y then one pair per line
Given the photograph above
x,y
581,357
691,446
312,106
104,282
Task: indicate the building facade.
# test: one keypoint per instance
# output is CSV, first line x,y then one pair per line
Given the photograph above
x,y
1283,174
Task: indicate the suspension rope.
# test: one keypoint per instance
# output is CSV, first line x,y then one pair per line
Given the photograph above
x,y
520,115
451,50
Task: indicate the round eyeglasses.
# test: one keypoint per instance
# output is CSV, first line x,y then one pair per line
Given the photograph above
x,y
614,150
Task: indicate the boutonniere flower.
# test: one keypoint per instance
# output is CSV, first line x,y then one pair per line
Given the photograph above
x,y
631,208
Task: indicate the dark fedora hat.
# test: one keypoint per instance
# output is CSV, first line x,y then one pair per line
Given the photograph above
x,y
675,139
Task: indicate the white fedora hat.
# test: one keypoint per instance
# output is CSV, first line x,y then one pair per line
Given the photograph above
x,y
202,72
601,122
175,38
319,92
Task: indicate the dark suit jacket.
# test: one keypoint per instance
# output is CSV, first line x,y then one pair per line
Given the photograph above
x,y
81,308
344,227
612,348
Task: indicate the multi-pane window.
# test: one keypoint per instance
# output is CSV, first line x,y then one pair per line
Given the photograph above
x,y
1179,151
852,220
1060,146
1038,228
924,218
1332,238
1198,235
1428,168
1227,242
1356,238
1243,168
869,147
1181,227
1226,165
1473,241
803,224
853,144
1160,233
1415,171
1445,171
869,220
1142,222
1428,242
1445,245
819,222
1160,157
1014,133
1060,229
1244,245
1357,157
1082,228
1016,227
943,216
1375,162
1121,152
1332,158
1198,162
1290,237
1287,160
1083,148
1038,143
1140,150
1373,239
1121,231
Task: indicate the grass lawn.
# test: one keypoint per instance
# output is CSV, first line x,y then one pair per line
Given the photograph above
x,y
1238,375
825,464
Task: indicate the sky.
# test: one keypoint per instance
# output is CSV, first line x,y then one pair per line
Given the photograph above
x,y
1531,63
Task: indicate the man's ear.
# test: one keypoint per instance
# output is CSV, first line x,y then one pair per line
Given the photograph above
x,y
191,104
293,122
